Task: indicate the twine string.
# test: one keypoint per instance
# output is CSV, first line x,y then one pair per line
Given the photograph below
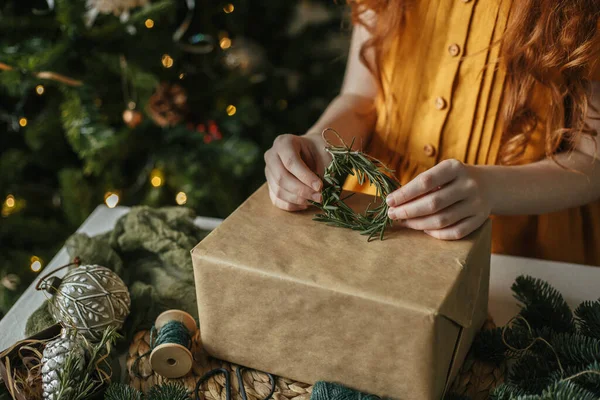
x,y
172,332
541,339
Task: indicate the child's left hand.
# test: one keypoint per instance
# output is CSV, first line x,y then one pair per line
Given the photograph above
x,y
448,201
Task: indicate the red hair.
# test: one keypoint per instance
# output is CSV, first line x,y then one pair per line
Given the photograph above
x,y
551,43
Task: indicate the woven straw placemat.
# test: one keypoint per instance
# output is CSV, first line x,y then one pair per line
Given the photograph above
x,y
256,383
475,380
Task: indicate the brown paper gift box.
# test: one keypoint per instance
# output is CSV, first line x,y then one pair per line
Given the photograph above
x,y
282,293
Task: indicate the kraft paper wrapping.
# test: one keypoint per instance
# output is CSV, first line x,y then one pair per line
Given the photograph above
x,y
282,293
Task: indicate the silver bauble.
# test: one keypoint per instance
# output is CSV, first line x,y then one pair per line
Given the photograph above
x,y
54,359
89,298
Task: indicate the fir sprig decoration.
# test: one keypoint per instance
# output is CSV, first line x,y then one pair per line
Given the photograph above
x,y
555,355
168,391
335,212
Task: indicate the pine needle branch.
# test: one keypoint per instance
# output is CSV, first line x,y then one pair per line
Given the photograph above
x,y
588,318
335,212
543,306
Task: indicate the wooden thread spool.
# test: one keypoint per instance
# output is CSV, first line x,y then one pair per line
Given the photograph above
x,y
173,360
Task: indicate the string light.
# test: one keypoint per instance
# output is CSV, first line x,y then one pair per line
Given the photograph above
x,y
149,23
181,198
23,122
167,61
10,201
181,75
111,199
35,263
11,205
228,8
39,89
225,43
231,110
156,178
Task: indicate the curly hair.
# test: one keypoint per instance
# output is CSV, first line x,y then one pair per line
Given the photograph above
x,y
552,43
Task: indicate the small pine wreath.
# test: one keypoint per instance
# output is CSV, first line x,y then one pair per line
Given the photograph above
x,y
334,211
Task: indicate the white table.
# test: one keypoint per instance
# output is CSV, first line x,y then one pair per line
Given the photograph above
x,y
576,282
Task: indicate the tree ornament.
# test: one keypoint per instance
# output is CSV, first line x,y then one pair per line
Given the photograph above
x,y
168,105
335,212
132,118
89,298
54,360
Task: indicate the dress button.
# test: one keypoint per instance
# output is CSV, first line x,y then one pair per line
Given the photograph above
x,y
429,150
440,103
454,50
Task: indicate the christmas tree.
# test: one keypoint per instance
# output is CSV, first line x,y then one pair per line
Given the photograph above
x,y
156,102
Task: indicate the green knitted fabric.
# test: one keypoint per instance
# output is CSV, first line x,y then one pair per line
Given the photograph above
x,y
333,391
150,249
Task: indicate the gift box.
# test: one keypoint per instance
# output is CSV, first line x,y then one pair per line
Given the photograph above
x,y
282,293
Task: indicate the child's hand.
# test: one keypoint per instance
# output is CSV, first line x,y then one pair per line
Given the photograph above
x,y
291,166
447,201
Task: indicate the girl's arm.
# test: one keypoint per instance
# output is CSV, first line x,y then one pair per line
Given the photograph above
x,y
544,186
451,200
293,162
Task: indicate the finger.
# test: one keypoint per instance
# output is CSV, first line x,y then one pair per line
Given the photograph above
x,y
431,203
459,230
279,176
284,205
439,175
291,160
286,196
445,218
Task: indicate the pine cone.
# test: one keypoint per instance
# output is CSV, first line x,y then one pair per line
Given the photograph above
x,y
54,359
168,105
256,383
477,378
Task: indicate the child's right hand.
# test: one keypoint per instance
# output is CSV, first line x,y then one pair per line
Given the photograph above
x,y
291,169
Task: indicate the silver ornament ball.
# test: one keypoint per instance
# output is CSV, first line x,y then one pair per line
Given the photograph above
x,y
90,298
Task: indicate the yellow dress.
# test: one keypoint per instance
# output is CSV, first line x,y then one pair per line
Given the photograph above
x,y
448,105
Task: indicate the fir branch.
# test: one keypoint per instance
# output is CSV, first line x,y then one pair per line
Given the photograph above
x,y
573,349
85,128
543,306
169,391
489,346
588,318
335,212
81,378
121,391
586,376
139,78
532,373
508,391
